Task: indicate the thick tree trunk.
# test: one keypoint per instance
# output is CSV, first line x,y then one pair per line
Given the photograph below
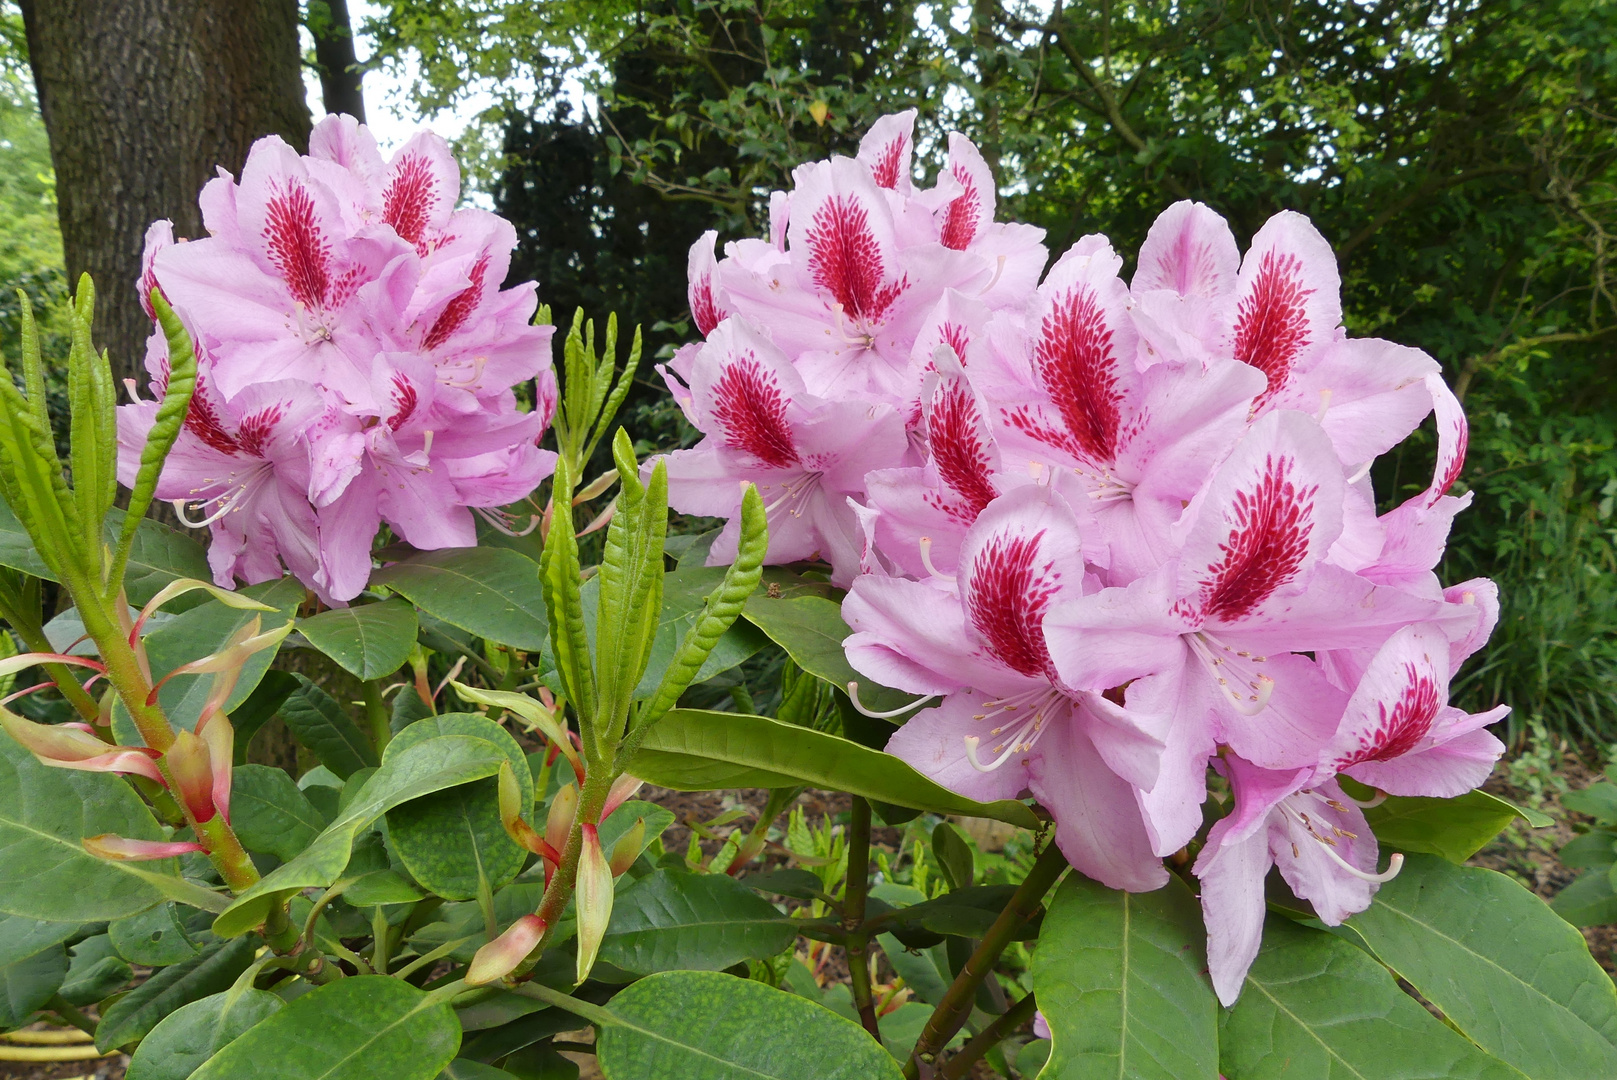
x,y
340,75
142,100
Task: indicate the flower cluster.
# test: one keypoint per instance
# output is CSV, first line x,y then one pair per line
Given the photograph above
x,y
356,360
1124,530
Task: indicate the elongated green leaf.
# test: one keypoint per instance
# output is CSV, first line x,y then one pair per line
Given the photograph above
x,y
211,971
421,770
1500,965
21,938
452,840
158,556
1597,848
27,983
629,584
684,593
1454,829
564,605
705,922
693,750
270,813
1315,1006
370,640
45,873
706,1026
811,630
1120,981
325,727
94,971
366,1028
192,1034
1589,901
491,592
166,934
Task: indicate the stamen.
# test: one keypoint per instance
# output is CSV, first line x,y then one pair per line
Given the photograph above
x,y
976,763
926,561
1261,686
1364,470
1391,872
999,269
501,521
1366,804
853,697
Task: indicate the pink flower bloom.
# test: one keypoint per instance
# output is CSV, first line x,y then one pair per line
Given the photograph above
x,y
1397,734
1007,723
357,358
806,455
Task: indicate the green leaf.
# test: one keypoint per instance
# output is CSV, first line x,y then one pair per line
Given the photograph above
x,y
161,936
421,770
95,971
490,592
810,629
954,856
369,640
693,750
1315,1006
452,840
671,919
684,592
270,814
21,938
1589,901
1120,981
325,727
160,555
707,1026
194,634
1593,849
366,1028
27,983
259,708
1598,800
45,873
382,887
467,1069
211,971
1499,964
1454,829
189,1036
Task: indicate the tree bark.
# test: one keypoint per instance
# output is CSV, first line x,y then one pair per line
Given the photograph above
x,y
142,100
340,74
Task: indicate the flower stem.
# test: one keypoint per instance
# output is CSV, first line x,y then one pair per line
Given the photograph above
x,y
61,1007
597,784
960,1063
956,1004
228,856
376,713
853,914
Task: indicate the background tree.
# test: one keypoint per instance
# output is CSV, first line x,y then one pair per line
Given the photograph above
x,y
143,99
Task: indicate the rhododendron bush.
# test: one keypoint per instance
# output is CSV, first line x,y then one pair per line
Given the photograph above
x,y
1086,549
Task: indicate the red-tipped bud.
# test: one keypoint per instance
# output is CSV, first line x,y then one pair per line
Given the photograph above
x,y
500,957
628,848
623,789
123,849
534,715
559,822
71,746
189,765
220,738
511,810
593,896
226,664
748,851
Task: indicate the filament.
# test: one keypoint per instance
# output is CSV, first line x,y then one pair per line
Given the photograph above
x,y
853,696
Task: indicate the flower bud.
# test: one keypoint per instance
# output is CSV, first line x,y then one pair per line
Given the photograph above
x,y
500,957
593,895
71,746
123,849
559,822
628,848
189,765
511,816
623,789
219,736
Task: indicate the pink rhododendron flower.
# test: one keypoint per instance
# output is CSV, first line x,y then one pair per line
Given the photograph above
x,y
1126,531
357,359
